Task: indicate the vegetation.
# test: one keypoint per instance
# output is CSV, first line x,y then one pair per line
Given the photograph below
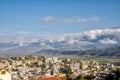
x,y
118,73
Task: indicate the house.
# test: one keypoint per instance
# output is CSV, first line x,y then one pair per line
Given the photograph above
x,y
52,78
4,75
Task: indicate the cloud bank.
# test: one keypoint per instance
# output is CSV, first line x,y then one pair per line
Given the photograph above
x,y
108,41
75,19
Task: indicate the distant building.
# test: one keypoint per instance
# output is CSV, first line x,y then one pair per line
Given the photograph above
x,y
4,75
52,78
55,59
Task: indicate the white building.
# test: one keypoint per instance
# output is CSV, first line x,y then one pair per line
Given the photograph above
x,y
55,59
4,75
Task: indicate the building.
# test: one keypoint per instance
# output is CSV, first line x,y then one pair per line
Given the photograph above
x,y
4,75
52,78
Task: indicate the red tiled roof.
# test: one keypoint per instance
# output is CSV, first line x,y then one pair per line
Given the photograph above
x,y
52,78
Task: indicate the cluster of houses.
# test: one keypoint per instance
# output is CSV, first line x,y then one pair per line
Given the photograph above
x,y
53,68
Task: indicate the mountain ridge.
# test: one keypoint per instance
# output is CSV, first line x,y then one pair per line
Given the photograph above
x,y
98,39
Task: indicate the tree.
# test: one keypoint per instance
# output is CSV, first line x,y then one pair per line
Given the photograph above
x,y
117,73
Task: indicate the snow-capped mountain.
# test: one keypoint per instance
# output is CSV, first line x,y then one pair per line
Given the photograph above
x,y
93,39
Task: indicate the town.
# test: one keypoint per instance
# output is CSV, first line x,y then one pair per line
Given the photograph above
x,y
54,68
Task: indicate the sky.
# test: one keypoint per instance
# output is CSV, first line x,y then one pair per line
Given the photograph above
x,y
44,17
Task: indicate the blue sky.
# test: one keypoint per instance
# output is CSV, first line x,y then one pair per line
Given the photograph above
x,y
41,17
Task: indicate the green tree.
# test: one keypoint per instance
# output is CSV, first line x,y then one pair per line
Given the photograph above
x,y
117,73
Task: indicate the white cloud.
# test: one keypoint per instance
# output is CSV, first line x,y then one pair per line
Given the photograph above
x,y
95,19
75,19
24,32
92,34
48,19
3,34
108,41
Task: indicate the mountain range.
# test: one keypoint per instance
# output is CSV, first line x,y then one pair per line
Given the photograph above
x,y
98,39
